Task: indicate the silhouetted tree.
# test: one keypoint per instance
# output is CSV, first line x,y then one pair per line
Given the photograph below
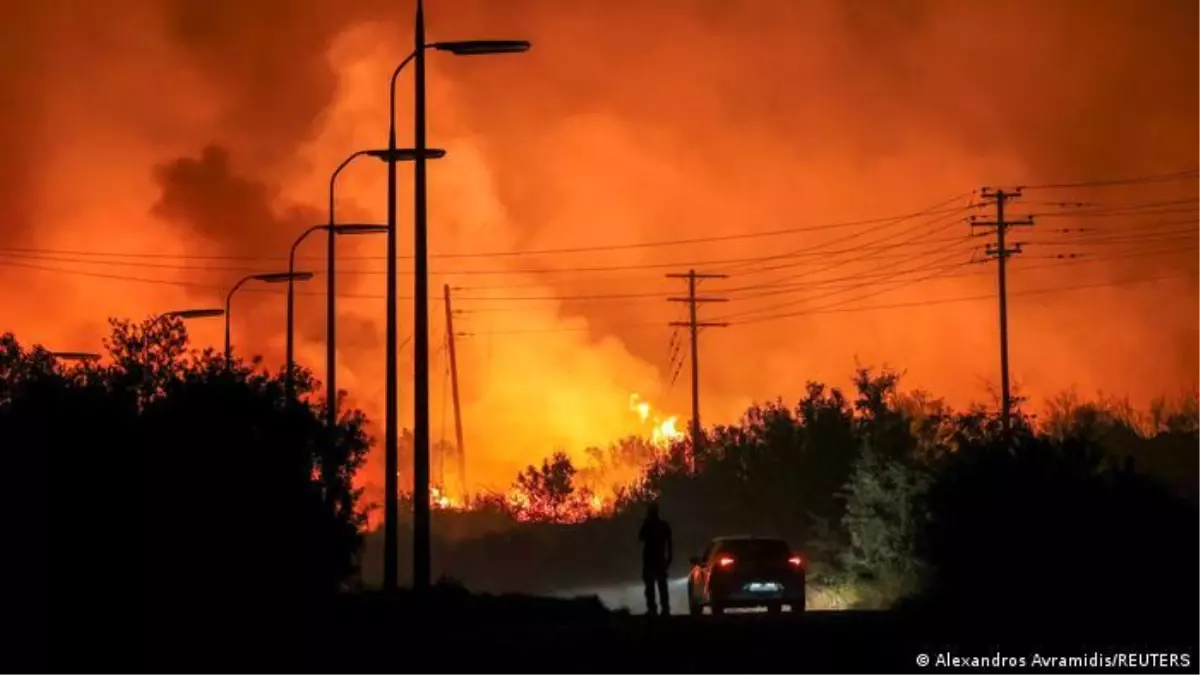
x,y
549,493
163,478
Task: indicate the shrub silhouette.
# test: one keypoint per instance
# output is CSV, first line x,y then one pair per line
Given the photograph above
x,y
1054,523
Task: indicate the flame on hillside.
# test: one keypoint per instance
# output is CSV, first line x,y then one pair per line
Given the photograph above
x,y
584,502
663,430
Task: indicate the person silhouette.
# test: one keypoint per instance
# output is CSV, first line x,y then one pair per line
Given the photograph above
x,y
657,551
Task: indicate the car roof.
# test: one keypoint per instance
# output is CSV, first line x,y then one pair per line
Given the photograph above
x,y
747,537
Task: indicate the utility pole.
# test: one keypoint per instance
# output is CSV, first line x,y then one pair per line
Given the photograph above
x,y
694,327
421,563
1000,251
458,430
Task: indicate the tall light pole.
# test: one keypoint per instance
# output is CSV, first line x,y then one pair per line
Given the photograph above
x,y
330,308
421,533
270,278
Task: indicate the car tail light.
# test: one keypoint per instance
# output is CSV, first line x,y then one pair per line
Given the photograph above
x,y
725,562
796,561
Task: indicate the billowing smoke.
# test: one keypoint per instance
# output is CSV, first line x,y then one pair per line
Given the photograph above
x,y
154,154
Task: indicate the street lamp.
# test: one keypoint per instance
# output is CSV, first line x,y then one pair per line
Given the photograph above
x,y
334,231
181,314
389,155
478,47
271,278
186,314
421,532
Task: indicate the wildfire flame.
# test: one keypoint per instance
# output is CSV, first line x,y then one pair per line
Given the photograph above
x,y
664,431
440,500
585,503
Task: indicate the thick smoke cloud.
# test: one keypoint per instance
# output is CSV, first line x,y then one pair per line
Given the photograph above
x,y
183,128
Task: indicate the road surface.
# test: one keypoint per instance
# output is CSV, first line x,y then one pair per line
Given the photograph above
x,y
460,632
806,642
631,597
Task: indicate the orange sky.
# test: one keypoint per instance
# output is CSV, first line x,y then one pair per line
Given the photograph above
x,y
197,138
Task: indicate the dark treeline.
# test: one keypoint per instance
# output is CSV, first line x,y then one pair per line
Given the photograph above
x,y
150,491
894,498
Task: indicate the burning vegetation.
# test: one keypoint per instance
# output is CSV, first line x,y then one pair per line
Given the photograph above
x,y
559,491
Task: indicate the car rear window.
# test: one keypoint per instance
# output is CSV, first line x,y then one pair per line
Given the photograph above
x,y
760,549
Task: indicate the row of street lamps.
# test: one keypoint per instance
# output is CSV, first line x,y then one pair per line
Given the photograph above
x,y
392,155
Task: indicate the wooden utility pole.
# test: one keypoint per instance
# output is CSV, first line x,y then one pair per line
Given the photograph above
x,y
694,327
458,430
1001,251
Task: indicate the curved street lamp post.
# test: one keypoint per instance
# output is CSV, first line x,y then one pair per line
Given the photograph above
x,y
331,300
390,156
270,278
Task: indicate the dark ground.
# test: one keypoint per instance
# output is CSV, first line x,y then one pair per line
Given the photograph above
x,y
813,642
470,634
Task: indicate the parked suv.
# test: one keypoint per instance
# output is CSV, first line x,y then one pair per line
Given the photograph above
x,y
746,572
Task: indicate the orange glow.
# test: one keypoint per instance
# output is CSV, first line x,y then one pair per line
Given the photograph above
x,y
198,150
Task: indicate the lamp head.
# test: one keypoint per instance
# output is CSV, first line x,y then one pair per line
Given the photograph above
x,y
195,313
405,154
359,228
479,47
281,277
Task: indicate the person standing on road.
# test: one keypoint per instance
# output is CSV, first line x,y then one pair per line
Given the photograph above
x,y
657,551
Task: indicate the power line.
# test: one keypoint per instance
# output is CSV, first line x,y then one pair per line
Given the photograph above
x,y
511,253
1116,240
953,253
469,272
840,308
768,289
1145,208
1136,180
946,220
837,309
91,257
932,272
857,281
821,249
